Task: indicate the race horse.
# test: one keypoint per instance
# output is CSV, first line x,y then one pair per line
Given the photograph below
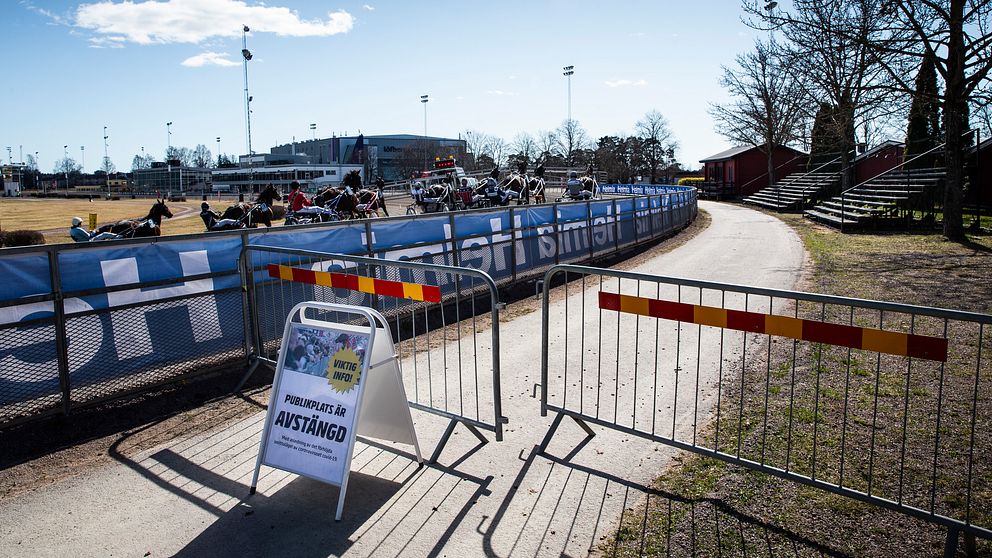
x,y
149,225
537,189
516,187
252,214
369,203
338,200
589,184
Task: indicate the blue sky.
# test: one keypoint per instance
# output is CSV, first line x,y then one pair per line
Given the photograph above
x,y
347,66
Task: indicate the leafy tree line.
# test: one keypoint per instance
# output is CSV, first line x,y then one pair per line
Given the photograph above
x,y
648,154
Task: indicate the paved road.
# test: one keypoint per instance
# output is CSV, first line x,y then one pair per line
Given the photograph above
x,y
189,498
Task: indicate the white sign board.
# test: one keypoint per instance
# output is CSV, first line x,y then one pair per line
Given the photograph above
x,y
332,382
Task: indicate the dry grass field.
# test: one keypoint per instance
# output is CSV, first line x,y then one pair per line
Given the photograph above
x,y
51,216
704,507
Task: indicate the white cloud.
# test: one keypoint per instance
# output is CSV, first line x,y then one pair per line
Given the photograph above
x,y
57,19
106,42
500,93
193,21
209,59
625,82
369,8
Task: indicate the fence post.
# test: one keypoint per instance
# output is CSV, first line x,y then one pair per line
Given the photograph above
x,y
513,248
616,226
61,347
454,241
374,271
247,282
589,229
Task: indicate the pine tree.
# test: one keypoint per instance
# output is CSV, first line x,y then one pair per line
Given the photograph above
x,y
923,129
822,143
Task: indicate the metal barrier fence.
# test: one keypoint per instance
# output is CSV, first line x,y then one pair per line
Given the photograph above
x,y
66,343
429,307
83,323
875,401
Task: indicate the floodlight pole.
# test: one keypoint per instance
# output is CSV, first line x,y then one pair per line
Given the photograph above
x,y
106,160
246,56
568,71
65,161
423,100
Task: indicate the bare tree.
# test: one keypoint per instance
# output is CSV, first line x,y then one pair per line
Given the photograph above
x,y
416,157
983,117
657,139
828,47
30,162
108,166
67,165
547,144
769,106
202,157
142,161
474,142
182,154
957,35
572,137
496,148
524,145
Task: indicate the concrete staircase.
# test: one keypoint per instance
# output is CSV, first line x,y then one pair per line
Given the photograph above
x,y
886,198
795,191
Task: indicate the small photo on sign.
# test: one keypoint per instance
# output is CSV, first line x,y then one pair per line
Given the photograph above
x,y
312,351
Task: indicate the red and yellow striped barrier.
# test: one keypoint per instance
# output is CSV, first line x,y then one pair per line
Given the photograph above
x,y
398,289
889,342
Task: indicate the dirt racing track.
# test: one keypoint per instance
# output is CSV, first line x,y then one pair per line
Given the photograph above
x,y
189,497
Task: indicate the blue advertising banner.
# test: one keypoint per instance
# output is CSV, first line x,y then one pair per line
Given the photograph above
x,y
118,326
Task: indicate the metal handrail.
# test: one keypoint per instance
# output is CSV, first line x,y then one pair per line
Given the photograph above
x,y
898,168
778,193
766,172
824,165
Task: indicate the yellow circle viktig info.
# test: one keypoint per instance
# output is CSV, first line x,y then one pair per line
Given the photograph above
x,y
344,370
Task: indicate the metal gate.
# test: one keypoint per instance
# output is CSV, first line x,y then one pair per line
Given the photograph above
x,y
437,314
831,392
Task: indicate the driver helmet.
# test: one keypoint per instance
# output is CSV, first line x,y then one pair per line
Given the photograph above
x,y
204,206
573,174
491,181
76,221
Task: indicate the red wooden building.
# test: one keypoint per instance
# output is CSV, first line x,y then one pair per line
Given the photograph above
x,y
979,163
885,156
741,171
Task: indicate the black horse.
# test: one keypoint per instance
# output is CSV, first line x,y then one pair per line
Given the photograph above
x,y
254,213
149,225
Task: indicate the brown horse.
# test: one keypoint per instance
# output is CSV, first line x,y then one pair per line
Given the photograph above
x,y
369,203
149,225
537,189
254,213
337,199
517,184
